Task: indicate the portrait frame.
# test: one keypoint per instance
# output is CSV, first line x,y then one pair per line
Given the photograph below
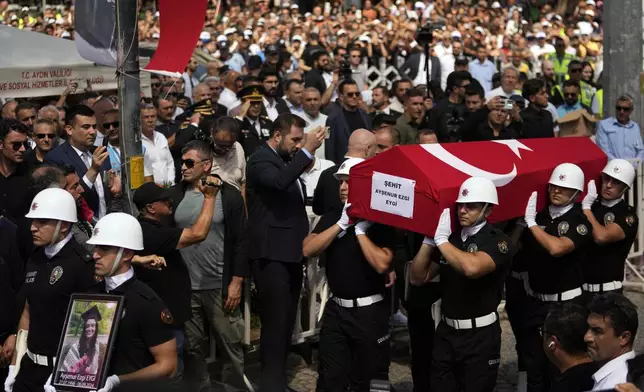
x,y
86,343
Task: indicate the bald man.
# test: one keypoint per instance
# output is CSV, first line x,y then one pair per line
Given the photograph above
x,y
362,144
101,107
203,91
228,96
9,109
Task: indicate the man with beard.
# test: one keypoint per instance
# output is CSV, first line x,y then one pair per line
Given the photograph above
x,y
380,103
272,102
571,103
537,121
548,74
447,115
314,77
255,128
277,225
399,89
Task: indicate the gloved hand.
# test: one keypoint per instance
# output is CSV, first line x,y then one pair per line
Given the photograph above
x,y
444,228
591,196
112,382
429,241
362,226
531,211
344,219
48,387
11,378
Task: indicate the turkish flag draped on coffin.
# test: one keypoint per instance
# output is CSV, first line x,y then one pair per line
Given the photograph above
x,y
409,186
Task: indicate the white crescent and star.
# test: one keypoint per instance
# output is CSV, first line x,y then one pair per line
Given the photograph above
x,y
499,180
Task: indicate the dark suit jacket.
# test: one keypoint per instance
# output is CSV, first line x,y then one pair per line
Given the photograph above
x,y
65,154
412,65
282,107
277,220
249,139
314,78
335,147
327,192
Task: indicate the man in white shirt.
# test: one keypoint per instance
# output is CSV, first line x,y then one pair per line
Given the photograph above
x,y
311,174
612,325
156,148
448,58
509,79
311,102
228,96
189,80
542,47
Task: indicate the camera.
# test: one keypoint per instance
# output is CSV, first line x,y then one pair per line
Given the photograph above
x,y
344,67
424,35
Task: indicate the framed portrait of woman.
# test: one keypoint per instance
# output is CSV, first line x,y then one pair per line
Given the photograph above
x,y
85,346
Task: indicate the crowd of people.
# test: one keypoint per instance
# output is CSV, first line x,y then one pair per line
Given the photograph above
x,y
246,164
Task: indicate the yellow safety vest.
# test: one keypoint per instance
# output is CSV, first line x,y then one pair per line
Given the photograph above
x,y
560,67
586,95
600,101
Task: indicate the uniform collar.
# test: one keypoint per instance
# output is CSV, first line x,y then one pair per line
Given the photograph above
x,y
471,230
611,203
557,211
112,282
52,250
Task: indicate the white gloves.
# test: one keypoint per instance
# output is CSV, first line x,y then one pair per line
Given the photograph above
x,y
444,228
112,382
344,219
11,378
591,196
531,211
429,241
362,226
48,387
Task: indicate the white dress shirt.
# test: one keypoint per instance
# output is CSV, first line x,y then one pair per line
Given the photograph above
x,y
310,178
297,110
86,157
112,282
52,250
312,123
613,372
228,99
447,67
271,109
162,164
421,77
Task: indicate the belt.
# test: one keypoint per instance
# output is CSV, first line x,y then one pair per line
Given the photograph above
x,y
565,296
478,322
601,287
42,360
358,302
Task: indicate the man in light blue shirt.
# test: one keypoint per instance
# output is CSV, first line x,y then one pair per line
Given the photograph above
x,y
571,103
483,69
619,136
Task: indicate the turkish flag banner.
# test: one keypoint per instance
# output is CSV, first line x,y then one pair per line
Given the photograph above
x,y
409,186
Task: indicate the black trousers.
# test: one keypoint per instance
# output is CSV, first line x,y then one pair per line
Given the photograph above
x,y
354,347
466,360
421,332
31,377
278,285
515,307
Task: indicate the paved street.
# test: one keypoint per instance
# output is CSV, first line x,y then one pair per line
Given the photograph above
x,y
303,377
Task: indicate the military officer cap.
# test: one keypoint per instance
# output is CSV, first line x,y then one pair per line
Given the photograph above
x,y
251,93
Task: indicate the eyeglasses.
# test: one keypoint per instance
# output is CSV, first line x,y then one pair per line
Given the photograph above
x,y
190,163
45,135
114,124
352,94
16,145
622,109
542,331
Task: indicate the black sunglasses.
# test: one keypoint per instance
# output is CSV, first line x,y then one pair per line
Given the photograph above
x,y
114,124
45,135
353,94
190,163
622,109
16,145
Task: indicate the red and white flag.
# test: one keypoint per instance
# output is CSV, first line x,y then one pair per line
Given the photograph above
x,y
409,186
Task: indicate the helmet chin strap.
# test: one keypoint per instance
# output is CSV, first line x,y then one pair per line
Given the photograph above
x,y
481,216
572,198
117,261
56,233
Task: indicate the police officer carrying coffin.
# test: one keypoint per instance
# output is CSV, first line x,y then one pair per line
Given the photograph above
x,y
473,267
554,246
614,225
58,267
354,337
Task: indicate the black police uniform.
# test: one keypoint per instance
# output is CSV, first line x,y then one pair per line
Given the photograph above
x,y
146,323
48,285
604,264
251,138
466,357
354,340
552,280
12,273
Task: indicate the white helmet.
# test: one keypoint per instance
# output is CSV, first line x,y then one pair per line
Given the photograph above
x,y
568,175
118,229
346,166
620,169
478,190
53,203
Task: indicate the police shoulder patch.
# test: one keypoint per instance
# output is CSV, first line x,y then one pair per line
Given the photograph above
x,y
630,220
582,229
166,317
503,246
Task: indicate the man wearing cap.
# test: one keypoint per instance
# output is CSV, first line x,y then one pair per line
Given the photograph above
x,y
542,46
145,346
255,127
172,282
614,224
58,267
354,337
473,265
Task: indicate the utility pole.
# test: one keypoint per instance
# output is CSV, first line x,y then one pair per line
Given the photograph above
x,y
622,54
129,93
